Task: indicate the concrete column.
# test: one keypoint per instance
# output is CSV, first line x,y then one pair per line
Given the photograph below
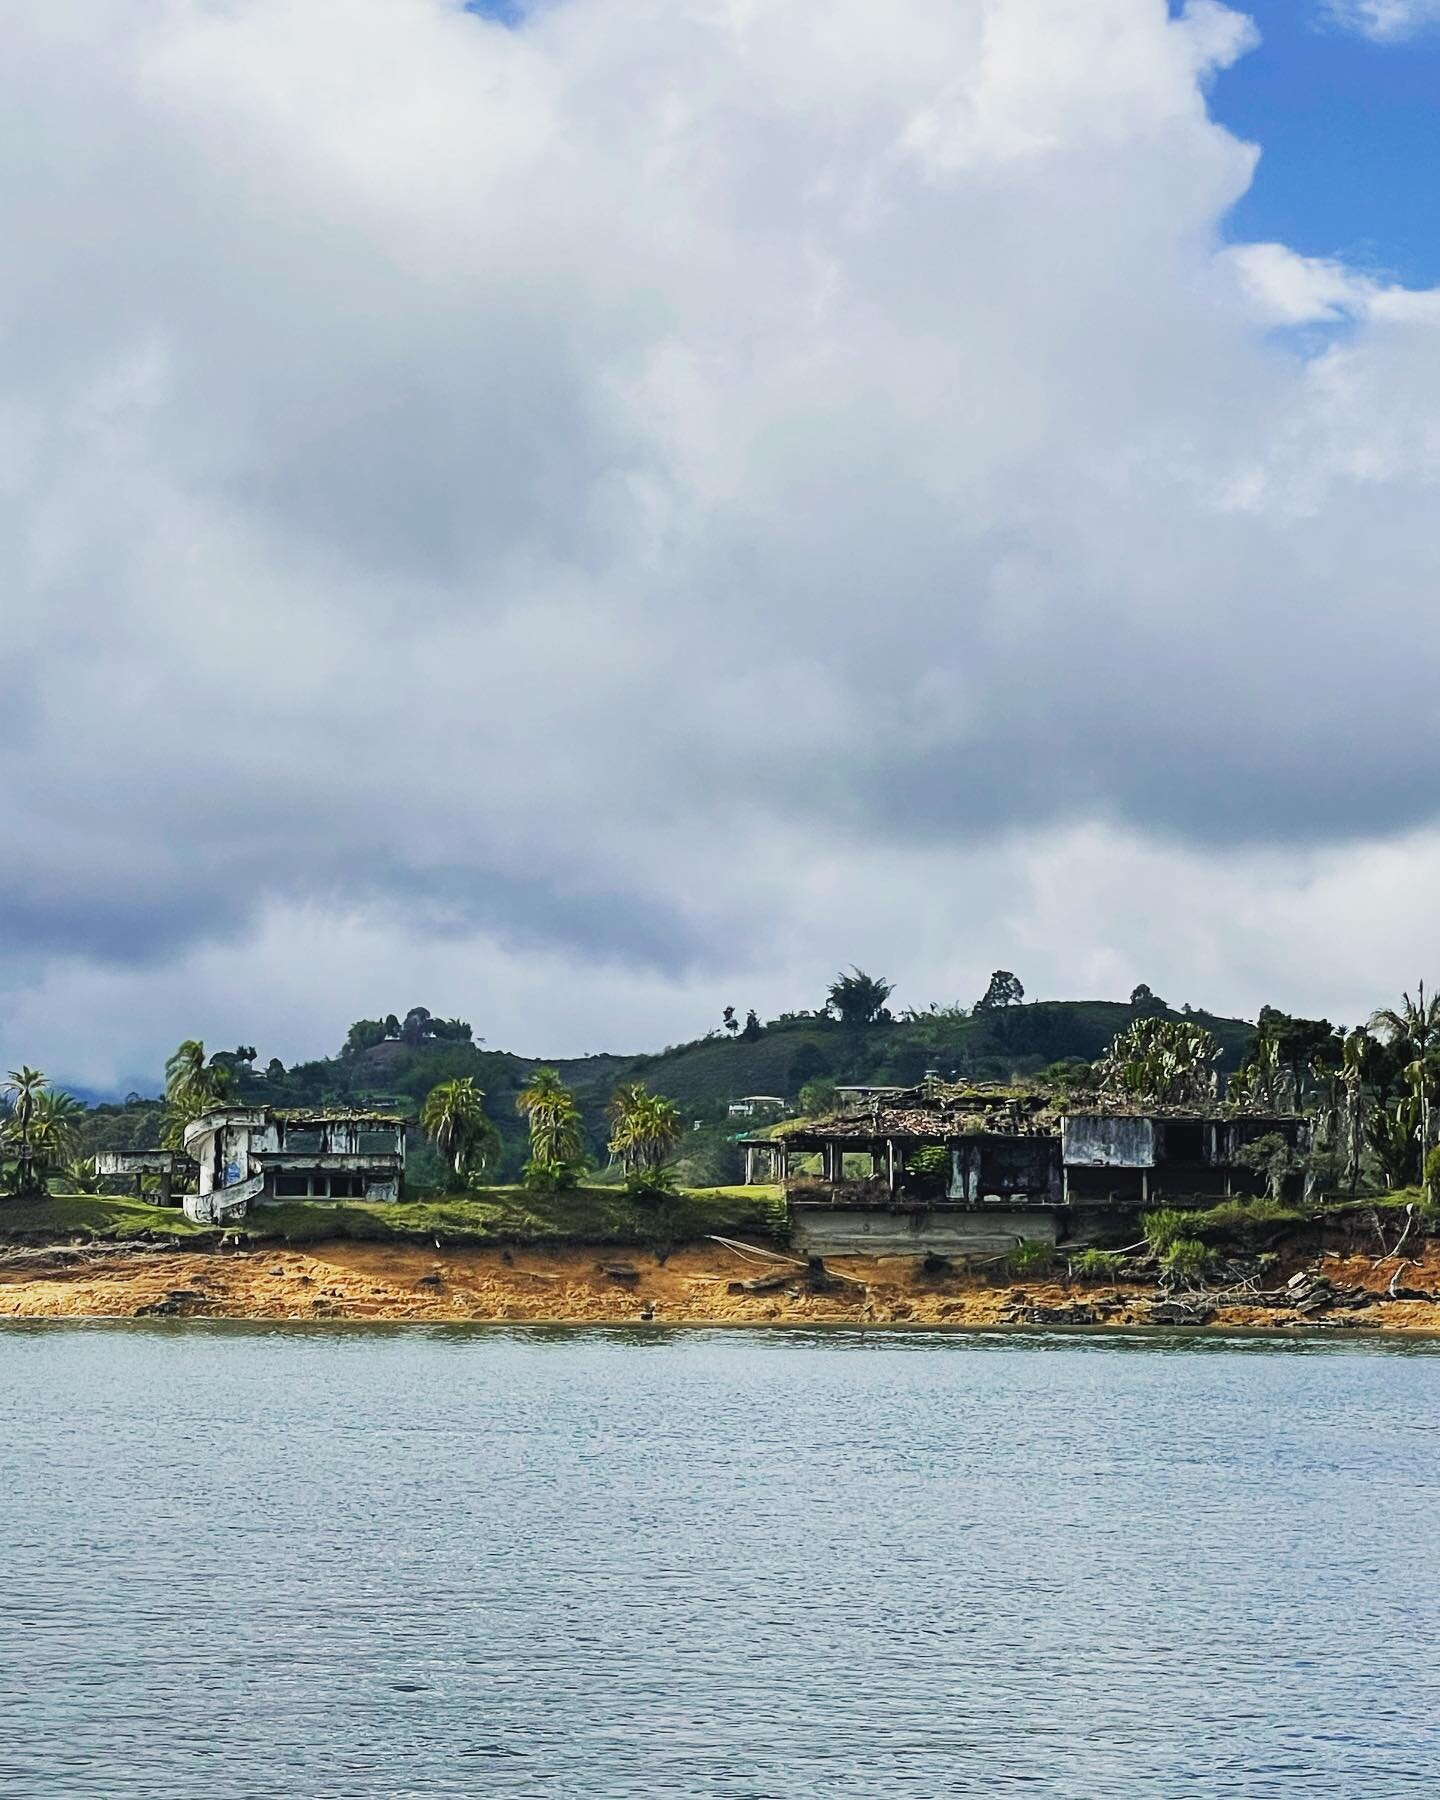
x,y
749,1165
890,1163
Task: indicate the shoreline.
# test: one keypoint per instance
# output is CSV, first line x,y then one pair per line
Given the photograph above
x,y
706,1285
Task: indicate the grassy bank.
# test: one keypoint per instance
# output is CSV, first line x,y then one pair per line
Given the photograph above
x,y
493,1216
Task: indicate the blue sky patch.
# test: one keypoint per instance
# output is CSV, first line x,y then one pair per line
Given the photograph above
x,y
1349,132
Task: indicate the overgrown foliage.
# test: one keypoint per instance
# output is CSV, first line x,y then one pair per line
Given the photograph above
x,y
644,1131
1185,1259
557,1143
1163,1227
1031,1256
1161,1062
192,1087
858,998
38,1129
454,1119
1097,1265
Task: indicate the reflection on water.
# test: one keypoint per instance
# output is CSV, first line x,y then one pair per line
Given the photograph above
x,y
334,1562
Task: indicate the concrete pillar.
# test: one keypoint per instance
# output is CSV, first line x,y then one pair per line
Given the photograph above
x,y
749,1165
165,1186
890,1163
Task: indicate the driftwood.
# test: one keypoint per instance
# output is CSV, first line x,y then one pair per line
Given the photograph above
x,y
762,1284
755,1253
1412,1214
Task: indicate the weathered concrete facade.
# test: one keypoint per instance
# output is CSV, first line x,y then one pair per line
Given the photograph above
x,y
943,1231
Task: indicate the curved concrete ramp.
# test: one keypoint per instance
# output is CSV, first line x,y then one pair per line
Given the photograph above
x,y
224,1205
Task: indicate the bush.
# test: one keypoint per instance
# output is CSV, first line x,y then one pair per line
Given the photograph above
x,y
1031,1256
1185,1258
1097,1265
931,1161
1241,1218
1163,1228
551,1178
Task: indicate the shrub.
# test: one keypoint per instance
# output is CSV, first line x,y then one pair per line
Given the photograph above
x,y
1163,1228
551,1178
1097,1265
1238,1218
931,1160
1031,1256
1185,1258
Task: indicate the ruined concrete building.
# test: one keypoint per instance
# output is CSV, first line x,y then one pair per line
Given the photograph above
x,y
237,1155
954,1169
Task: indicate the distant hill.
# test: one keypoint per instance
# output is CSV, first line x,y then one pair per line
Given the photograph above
x,y
705,1076
1014,1040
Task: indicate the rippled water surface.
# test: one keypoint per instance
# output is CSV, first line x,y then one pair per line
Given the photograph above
x,y
342,1563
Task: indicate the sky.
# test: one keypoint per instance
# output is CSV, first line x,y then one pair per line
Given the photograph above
x,y
583,518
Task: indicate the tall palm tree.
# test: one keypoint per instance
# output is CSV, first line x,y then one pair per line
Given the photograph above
x,y
1413,1028
192,1086
556,1137
644,1129
454,1119
1355,1060
40,1126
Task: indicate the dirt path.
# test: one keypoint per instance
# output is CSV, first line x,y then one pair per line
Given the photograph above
x,y
695,1286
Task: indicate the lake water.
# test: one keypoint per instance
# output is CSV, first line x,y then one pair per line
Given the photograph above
x,y
250,1562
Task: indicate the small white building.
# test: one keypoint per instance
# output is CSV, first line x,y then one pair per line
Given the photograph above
x,y
756,1106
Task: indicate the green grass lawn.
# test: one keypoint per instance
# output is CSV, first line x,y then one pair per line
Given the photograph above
x,y
589,1215
89,1215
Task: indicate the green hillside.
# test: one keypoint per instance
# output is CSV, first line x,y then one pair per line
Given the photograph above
x,y
704,1076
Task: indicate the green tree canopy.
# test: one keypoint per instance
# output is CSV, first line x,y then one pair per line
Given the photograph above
x,y
39,1129
1160,1062
644,1130
557,1144
192,1087
454,1119
1005,989
858,998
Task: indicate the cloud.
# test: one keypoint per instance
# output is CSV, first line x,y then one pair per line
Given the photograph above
x,y
1385,20
605,503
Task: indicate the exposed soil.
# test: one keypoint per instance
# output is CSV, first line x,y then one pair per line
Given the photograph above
x,y
693,1286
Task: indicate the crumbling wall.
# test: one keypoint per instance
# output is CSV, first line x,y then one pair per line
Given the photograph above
x,y
1107,1141
852,1232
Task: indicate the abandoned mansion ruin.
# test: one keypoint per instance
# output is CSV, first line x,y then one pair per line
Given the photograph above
x,y
942,1168
236,1155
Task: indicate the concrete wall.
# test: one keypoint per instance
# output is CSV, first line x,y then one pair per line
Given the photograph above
x,y
853,1232
1098,1141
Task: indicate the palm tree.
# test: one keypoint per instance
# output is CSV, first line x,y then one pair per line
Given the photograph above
x,y
1355,1059
858,998
1413,1028
556,1139
453,1118
645,1128
192,1087
40,1126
